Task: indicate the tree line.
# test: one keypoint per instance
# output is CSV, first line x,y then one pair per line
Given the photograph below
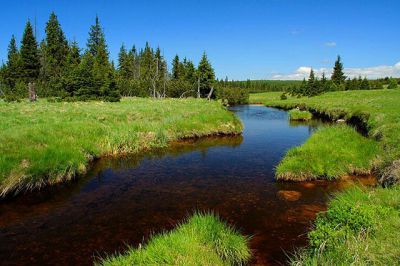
x,y
59,68
313,85
339,82
254,86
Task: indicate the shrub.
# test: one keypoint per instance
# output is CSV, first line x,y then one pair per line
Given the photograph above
x,y
283,96
233,96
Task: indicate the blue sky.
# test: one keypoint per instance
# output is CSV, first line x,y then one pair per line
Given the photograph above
x,y
277,39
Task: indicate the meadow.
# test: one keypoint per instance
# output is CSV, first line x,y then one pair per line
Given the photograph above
x,y
202,239
45,143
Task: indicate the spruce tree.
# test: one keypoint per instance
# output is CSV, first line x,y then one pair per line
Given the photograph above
x,y
146,64
85,82
206,75
162,65
12,69
190,72
56,49
338,76
123,65
365,84
69,77
311,85
176,68
96,38
30,64
102,69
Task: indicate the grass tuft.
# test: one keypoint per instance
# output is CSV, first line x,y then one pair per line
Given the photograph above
x,y
201,240
296,114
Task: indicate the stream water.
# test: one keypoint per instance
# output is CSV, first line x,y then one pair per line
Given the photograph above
x,y
124,200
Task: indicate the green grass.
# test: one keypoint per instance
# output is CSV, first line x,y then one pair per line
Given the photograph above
x,y
360,228
202,240
46,143
377,110
331,152
296,114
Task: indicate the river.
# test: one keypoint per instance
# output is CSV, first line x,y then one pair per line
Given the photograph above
x,y
124,200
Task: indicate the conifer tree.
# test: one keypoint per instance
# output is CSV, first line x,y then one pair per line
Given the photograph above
x,y
123,63
69,77
85,80
96,39
146,64
190,72
312,86
365,84
56,48
338,76
206,75
12,68
30,64
162,65
176,69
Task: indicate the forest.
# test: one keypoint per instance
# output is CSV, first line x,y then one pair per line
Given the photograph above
x,y
61,69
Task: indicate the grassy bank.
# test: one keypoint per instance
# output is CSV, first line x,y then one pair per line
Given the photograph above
x,y
299,115
202,240
46,143
359,228
331,152
376,110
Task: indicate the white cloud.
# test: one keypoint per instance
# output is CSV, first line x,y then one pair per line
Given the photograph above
x,y
330,44
369,72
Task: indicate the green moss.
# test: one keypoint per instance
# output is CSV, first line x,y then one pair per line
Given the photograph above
x,y
45,143
331,152
296,114
202,240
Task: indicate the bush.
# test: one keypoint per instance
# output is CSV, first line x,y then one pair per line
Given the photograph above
x,y
233,96
283,96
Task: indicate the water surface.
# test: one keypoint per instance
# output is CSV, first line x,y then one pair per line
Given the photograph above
x,y
124,200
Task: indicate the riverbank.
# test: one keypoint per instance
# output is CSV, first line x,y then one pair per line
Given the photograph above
x,y
46,143
203,239
330,153
376,111
361,225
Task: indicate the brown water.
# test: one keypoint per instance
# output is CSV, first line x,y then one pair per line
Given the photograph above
x,y
124,200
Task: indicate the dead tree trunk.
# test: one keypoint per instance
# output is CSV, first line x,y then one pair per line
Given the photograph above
x,y
198,88
32,91
210,93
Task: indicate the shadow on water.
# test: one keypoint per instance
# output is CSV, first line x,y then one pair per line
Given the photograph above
x,y
124,200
